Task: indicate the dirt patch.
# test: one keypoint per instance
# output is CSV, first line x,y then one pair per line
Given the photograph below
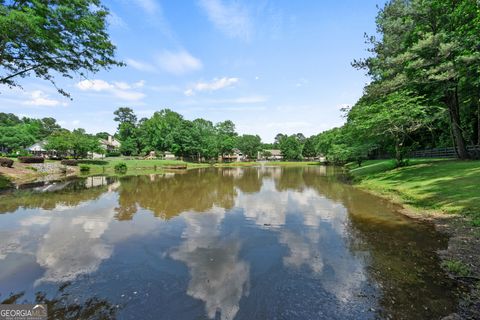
x,y
19,172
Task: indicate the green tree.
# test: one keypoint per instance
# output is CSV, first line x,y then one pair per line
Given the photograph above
x,y
204,140
394,117
60,141
430,48
226,136
50,37
309,148
249,145
102,135
291,148
127,131
15,138
78,143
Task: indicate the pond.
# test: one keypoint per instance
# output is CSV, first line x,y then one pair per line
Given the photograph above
x,y
231,243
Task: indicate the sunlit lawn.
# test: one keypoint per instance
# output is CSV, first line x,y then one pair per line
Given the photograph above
x,y
447,185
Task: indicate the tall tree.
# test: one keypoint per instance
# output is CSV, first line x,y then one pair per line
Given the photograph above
x,y
50,37
429,47
250,145
226,136
127,130
291,148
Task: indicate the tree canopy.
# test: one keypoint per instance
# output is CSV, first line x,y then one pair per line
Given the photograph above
x,y
51,37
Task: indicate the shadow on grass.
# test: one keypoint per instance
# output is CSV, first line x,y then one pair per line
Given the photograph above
x,y
94,162
453,186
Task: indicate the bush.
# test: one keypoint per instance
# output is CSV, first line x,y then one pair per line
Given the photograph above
x,y
121,167
31,159
5,162
69,162
84,168
457,267
12,155
113,154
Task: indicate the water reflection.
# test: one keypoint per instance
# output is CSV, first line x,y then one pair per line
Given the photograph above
x,y
239,243
218,276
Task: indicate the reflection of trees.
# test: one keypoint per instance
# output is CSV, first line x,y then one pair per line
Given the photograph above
x,y
250,180
62,306
69,193
168,196
402,252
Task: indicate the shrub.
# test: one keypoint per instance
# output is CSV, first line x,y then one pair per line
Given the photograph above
x,y
121,167
84,168
456,267
5,162
69,162
113,154
31,159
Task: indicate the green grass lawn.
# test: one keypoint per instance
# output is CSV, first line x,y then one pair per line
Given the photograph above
x,y
139,166
449,186
4,182
135,166
267,163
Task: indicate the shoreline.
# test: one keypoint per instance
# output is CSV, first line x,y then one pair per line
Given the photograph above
x,y
24,174
463,245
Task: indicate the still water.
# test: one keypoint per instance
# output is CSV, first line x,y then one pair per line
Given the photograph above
x,y
232,243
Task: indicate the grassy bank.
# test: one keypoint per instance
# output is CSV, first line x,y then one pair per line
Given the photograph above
x,y
448,186
4,182
135,166
268,163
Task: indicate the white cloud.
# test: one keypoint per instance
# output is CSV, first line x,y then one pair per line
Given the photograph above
x,y
179,62
149,6
215,84
115,20
119,89
95,85
231,19
140,65
39,98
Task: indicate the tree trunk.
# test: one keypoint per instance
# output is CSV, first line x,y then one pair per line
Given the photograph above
x,y
478,122
398,153
454,112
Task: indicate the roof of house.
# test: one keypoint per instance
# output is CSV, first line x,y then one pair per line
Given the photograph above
x,y
113,142
38,146
274,152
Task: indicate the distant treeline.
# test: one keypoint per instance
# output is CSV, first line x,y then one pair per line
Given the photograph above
x,y
166,130
425,88
17,134
200,139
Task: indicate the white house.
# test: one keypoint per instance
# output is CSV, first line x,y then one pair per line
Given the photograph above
x,y
273,154
235,156
111,144
167,155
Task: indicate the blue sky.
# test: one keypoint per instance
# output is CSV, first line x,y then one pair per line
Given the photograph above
x,y
269,66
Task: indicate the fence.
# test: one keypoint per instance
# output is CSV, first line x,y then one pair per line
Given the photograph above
x,y
447,152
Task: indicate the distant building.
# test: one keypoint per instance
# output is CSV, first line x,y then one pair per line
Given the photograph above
x,y
111,144
38,149
167,155
235,156
271,154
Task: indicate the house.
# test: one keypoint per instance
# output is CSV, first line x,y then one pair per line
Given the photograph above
x,y
167,155
111,144
235,156
38,149
271,154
